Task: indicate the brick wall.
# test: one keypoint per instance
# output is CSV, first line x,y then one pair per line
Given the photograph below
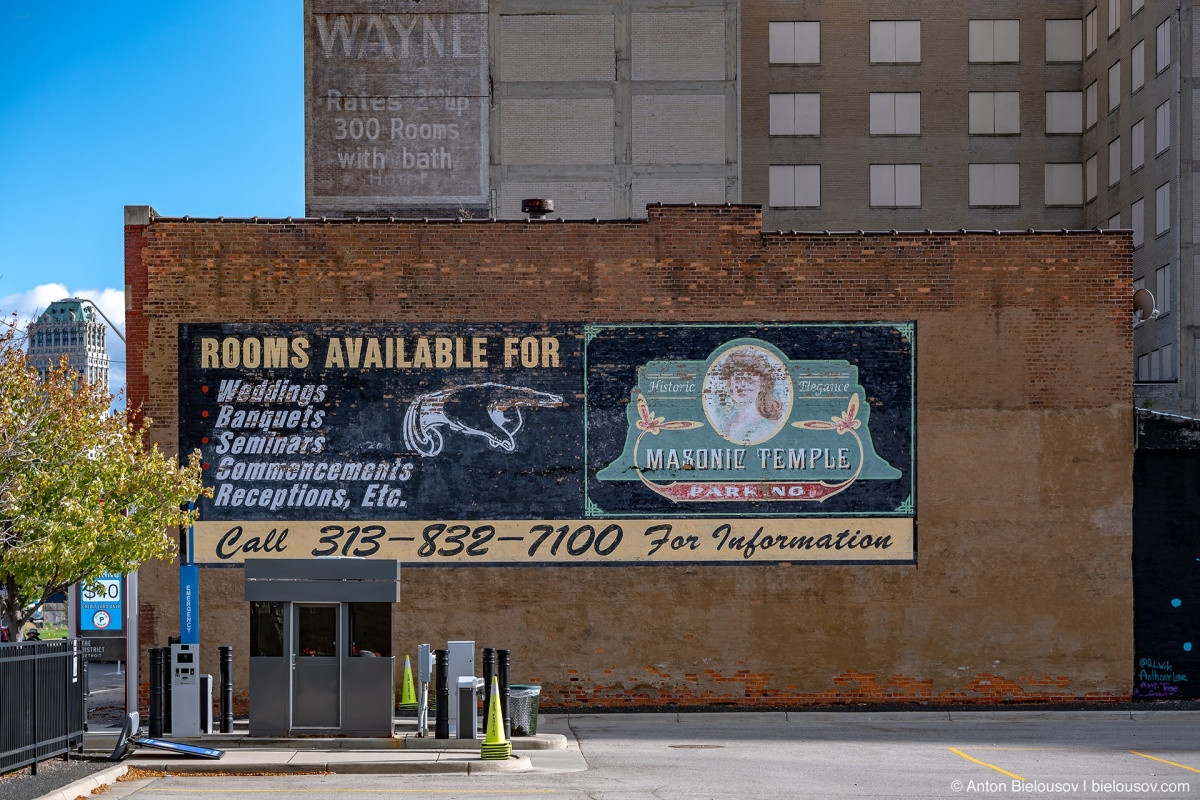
x,y
1021,590
696,51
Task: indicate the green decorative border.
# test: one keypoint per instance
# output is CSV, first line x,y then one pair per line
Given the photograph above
x,y
590,509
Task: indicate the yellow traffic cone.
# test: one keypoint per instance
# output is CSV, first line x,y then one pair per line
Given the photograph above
x,y
408,692
495,747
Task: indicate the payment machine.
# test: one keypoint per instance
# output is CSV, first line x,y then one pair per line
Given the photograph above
x,y
185,690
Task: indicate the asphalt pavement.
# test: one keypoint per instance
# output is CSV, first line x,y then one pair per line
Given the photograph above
x,y
682,756
1110,754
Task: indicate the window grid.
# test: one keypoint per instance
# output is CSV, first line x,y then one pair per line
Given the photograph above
x,y
1137,221
993,113
1114,161
794,42
1089,24
1064,40
1162,289
895,185
794,186
1064,184
993,41
1064,112
1114,86
1137,145
795,114
994,184
1157,365
895,113
1091,178
895,41
1162,48
1114,16
1162,127
1137,67
1162,209
1090,105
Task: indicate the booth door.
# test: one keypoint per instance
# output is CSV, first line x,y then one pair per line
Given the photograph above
x,y
316,680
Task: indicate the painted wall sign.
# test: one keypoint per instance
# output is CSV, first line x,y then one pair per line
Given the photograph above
x,y
527,443
397,105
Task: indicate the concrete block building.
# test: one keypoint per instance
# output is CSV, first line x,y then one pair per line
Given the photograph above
x,y
1036,114
465,107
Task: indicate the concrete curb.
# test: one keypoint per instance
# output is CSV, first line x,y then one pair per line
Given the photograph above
x,y
105,741
84,786
518,763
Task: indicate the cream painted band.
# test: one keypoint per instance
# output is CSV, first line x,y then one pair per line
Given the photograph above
x,y
734,541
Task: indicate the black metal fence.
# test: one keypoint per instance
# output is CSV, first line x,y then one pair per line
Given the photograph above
x,y
42,711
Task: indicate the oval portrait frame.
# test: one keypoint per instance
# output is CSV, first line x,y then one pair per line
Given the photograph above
x,y
716,393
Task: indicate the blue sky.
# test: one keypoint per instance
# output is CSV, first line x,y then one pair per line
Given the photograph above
x,y
192,108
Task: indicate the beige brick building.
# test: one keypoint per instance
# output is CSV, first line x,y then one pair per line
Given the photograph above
x,y
981,115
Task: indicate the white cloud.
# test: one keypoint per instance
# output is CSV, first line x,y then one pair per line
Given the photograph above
x,y
28,305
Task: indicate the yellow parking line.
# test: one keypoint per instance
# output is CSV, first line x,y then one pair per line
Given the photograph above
x,y
1045,749
1164,761
985,764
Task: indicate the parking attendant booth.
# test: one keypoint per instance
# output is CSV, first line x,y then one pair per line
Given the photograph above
x,y
321,646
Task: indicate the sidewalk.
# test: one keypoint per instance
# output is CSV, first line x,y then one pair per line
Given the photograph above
x,y
404,753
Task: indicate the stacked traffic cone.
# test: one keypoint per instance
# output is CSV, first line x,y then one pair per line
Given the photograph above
x,y
408,692
495,747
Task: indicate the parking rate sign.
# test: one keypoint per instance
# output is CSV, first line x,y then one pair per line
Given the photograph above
x,y
102,608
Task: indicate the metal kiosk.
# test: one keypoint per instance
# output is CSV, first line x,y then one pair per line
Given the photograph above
x,y
321,646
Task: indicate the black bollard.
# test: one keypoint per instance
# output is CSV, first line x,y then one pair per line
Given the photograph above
x,y
441,726
166,684
489,670
156,692
226,657
502,675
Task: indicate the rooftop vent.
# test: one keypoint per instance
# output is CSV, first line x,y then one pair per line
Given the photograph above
x,y
537,207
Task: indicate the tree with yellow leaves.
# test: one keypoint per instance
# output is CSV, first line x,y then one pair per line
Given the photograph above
x,y
81,492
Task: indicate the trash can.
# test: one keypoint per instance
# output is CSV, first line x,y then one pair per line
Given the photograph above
x,y
523,708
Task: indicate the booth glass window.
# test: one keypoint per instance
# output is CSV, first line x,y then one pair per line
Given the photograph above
x,y
316,631
266,629
370,629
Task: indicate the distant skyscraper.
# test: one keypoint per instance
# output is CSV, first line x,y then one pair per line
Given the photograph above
x,y
72,328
